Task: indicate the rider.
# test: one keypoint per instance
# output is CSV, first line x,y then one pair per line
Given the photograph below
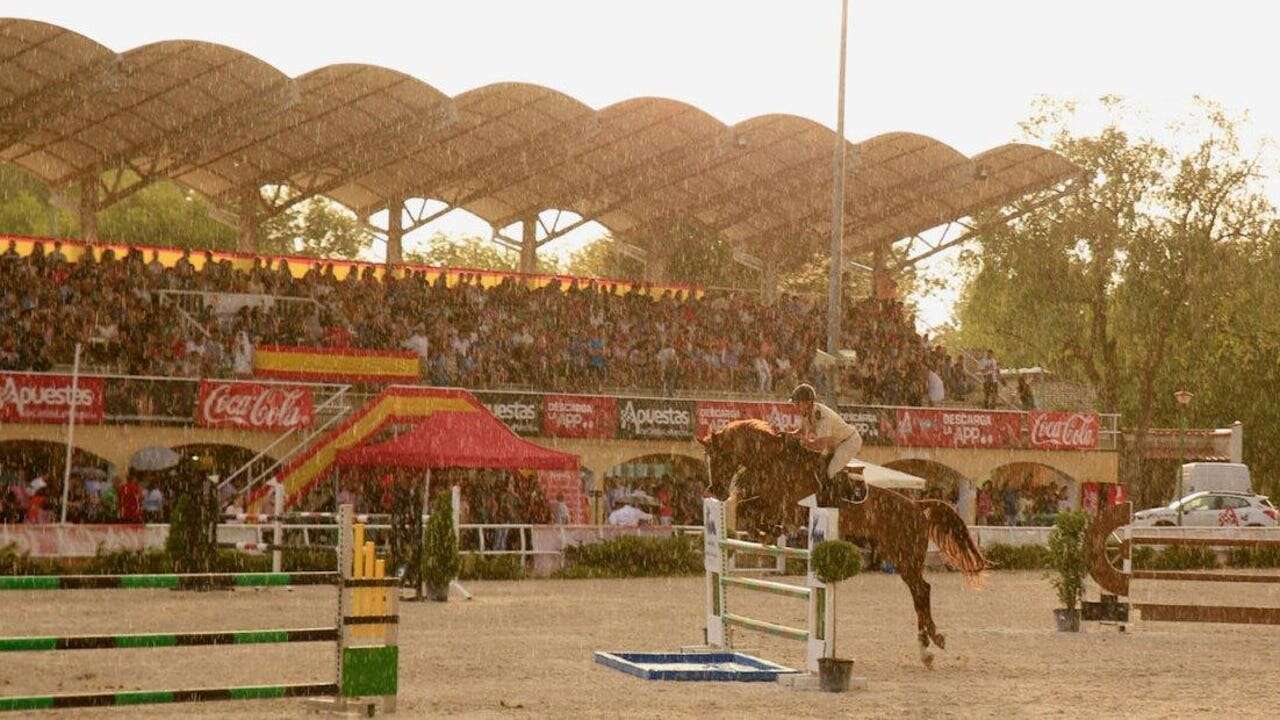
x,y
822,430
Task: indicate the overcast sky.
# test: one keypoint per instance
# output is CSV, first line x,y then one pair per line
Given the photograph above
x,y
962,72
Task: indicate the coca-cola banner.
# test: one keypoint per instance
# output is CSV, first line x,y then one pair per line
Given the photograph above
x,y
253,406
579,416
30,398
1064,430
522,413
920,427
655,419
874,424
712,415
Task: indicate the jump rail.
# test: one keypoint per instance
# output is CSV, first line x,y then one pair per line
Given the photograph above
x,y
1113,523
365,633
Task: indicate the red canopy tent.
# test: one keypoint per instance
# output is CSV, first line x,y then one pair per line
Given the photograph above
x,y
458,440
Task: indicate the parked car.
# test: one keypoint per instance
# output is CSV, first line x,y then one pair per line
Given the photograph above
x,y
1212,509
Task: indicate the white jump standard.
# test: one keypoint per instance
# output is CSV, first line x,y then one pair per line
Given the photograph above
x,y
718,548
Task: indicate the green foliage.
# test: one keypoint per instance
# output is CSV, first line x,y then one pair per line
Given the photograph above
x,y
1068,557
1017,557
1174,557
440,561
835,560
1263,557
167,215
14,561
317,227
479,567
129,562
473,251
600,258
25,208
633,556
1158,274
181,517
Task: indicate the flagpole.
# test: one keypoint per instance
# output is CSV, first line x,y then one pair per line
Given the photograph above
x,y
834,304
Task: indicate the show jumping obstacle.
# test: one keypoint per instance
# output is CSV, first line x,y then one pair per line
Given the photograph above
x,y
718,551
1116,583
365,635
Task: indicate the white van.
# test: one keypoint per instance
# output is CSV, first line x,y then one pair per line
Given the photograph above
x,y
1215,477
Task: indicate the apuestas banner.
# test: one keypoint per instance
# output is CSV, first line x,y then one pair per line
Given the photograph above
x,y
919,427
254,406
522,413
579,416
711,415
1064,430
874,424
655,419
32,398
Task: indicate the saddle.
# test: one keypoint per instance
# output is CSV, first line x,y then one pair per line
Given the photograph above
x,y
847,486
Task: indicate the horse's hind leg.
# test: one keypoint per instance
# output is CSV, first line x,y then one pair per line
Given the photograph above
x,y
924,616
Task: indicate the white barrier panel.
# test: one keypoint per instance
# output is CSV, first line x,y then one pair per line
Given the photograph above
x,y
717,548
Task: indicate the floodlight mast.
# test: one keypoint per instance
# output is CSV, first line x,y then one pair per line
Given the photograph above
x,y
837,215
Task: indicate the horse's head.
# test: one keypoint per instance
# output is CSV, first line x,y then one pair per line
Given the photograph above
x,y
722,462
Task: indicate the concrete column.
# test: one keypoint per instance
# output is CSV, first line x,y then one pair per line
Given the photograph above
x,y
1237,442
967,500
395,231
769,283
247,239
89,207
529,244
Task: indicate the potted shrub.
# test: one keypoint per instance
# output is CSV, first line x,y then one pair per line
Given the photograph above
x,y
835,561
440,559
1068,559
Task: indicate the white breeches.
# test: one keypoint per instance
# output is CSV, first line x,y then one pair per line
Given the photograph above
x,y
843,453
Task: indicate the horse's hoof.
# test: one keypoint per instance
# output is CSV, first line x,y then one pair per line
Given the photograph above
x,y
940,640
926,657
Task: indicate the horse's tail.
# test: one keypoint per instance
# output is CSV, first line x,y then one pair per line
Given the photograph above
x,y
948,531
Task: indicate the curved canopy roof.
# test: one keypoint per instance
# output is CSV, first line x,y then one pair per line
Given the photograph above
x,y
225,124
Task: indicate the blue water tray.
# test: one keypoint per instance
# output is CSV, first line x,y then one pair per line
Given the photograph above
x,y
693,666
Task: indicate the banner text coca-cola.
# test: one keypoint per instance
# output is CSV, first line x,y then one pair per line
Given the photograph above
x,y
254,406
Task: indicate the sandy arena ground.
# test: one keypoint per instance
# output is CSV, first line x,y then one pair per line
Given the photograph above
x,y
523,650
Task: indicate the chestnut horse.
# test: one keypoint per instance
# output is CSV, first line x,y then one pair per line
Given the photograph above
x,y
767,473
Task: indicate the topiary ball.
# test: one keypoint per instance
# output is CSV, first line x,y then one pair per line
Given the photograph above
x,y
835,560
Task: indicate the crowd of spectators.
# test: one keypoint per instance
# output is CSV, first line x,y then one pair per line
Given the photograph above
x,y
579,335
93,497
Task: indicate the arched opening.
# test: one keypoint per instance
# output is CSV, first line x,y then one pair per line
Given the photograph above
x,y
31,475
223,460
1025,493
666,486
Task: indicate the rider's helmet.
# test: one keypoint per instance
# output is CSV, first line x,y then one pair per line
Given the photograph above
x,y
804,392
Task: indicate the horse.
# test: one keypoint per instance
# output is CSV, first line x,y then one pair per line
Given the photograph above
x,y
767,473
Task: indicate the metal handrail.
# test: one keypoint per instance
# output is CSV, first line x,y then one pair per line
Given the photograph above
x,y
277,462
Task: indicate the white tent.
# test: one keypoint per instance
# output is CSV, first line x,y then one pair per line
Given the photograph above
x,y
884,477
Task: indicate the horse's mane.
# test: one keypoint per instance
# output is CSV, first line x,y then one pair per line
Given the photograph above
x,y
749,425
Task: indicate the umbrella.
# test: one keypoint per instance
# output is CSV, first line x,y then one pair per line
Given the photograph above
x,y
89,473
153,458
884,477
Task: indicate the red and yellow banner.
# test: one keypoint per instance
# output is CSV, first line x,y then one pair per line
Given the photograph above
x,y
335,364
299,265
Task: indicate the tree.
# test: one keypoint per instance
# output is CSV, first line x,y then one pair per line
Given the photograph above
x,y
1117,284
472,251
165,214
601,258
25,208
317,227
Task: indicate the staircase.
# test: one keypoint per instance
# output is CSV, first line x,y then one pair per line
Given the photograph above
x,y
250,479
